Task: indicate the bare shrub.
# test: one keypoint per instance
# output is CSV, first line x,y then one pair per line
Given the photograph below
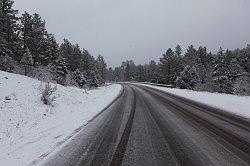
x,y
47,94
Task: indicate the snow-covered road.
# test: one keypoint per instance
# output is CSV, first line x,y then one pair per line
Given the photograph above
x,y
239,105
148,127
31,130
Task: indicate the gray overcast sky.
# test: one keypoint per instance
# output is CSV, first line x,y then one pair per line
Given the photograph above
x,y
143,29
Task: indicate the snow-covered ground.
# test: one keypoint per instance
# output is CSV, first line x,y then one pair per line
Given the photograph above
x,y
30,129
239,105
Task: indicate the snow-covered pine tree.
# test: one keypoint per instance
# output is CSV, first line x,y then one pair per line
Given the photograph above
x,y
110,74
73,55
178,50
153,75
50,49
225,74
247,58
4,51
201,64
9,40
190,56
33,33
127,72
235,70
243,57
89,64
6,63
166,66
27,61
101,68
188,78
26,29
140,73
93,81
79,78
229,55
171,66
61,70
178,63
118,74
242,85
220,77
239,77
132,69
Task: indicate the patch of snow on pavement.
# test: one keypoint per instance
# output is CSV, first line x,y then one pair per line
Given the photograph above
x,y
30,129
239,105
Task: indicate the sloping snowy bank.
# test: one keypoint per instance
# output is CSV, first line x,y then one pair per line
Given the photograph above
x,y
239,105
30,129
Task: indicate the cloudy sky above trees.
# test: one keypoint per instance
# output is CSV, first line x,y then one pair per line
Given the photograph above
x,y
143,29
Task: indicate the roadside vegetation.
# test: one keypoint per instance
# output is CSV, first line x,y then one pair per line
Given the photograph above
x,y
27,48
227,71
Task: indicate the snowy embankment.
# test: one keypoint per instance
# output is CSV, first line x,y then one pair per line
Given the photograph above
x,y
239,105
30,129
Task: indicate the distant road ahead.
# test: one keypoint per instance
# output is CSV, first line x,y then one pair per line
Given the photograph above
x,y
147,127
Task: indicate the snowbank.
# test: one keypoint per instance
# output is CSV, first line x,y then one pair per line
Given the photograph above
x,y
30,129
239,105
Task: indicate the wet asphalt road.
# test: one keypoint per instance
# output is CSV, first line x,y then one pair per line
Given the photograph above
x,y
147,127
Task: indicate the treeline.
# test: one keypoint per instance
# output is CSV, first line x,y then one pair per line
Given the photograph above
x,y
224,72
27,48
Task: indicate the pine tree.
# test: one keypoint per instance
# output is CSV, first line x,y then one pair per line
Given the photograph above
x,y
110,75
132,69
188,78
93,81
74,56
89,61
27,61
4,50
9,40
127,74
50,50
153,74
171,66
102,68
242,85
89,66
178,50
202,64
243,57
79,78
26,30
229,55
6,63
33,36
166,70
61,70
140,73
220,52
118,74
220,76
235,70
190,55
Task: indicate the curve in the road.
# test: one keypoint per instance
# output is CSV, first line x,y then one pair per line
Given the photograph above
x,y
148,127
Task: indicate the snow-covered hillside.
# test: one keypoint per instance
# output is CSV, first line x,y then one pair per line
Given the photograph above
x,y
239,105
30,129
